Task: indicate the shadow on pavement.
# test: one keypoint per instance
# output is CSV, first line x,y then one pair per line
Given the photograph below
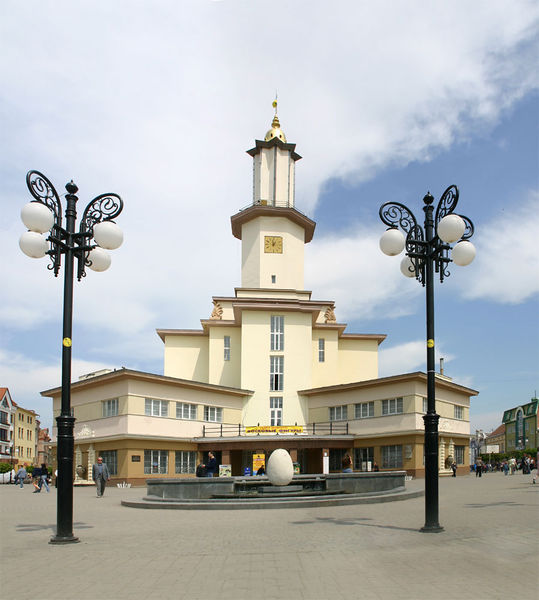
x,y
25,527
358,521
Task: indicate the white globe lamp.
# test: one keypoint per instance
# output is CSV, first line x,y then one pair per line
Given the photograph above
x,y
33,244
463,253
407,267
108,235
392,242
37,217
451,228
100,260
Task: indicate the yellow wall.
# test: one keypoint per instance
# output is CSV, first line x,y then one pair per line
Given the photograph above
x,y
25,436
186,357
222,372
358,360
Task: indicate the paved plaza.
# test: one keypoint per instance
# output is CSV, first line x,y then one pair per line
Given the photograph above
x,y
489,548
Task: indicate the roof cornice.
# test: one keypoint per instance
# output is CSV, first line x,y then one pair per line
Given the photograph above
x,y
418,375
261,210
123,373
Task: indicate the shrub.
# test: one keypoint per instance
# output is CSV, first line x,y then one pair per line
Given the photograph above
x,y
5,467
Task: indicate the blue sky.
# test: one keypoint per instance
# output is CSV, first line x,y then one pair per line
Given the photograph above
x,y
384,101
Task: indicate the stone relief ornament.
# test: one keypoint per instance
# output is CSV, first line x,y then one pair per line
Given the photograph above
x,y
330,315
217,312
85,432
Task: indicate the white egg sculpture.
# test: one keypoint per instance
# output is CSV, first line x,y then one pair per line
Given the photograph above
x,y
279,467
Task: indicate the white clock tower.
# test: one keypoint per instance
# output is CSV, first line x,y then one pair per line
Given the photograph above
x,y
272,231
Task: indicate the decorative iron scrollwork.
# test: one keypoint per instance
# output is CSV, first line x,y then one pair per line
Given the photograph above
x,y
43,191
395,214
447,204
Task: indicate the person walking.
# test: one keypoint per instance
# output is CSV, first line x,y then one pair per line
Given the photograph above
x,y
100,474
454,468
20,476
43,479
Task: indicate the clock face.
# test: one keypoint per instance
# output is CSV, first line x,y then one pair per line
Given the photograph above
x,y
273,244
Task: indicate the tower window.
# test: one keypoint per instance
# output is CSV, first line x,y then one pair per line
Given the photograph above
x,y
321,350
274,279
276,373
277,333
227,347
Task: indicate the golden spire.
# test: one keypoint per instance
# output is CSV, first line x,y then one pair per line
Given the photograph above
x,y
275,131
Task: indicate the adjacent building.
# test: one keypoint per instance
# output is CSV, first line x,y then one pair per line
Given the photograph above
x,y
7,412
521,426
271,366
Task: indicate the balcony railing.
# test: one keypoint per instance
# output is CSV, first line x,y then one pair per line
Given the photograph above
x,y
230,430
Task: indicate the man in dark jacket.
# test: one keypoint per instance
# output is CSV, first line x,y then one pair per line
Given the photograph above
x,y
211,465
100,474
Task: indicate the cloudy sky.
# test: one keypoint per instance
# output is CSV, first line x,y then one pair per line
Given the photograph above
x,y
158,101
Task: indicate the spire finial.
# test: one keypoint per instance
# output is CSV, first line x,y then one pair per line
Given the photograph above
x,y
275,131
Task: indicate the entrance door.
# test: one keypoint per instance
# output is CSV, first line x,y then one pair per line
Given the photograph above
x,y
363,459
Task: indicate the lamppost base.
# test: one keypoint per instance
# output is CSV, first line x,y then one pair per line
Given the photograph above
x,y
61,539
431,529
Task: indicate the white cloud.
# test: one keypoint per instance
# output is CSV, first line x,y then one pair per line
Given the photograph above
x,y
409,357
26,378
506,268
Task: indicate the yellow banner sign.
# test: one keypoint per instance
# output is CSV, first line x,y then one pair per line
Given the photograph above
x,y
275,429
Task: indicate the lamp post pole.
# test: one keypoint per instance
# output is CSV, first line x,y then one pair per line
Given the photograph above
x,y
427,253
97,231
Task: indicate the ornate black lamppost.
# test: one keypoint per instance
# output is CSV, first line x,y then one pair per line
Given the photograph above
x,y
427,251
96,231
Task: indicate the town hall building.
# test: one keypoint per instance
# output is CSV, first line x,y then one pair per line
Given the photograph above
x,y
270,367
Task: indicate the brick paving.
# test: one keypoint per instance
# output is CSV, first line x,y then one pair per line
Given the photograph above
x,y
488,550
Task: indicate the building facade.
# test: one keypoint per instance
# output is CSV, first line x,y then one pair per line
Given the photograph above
x,y
26,433
270,367
521,426
7,418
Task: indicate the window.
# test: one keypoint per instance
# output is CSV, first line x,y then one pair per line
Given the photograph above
x,y
156,408
391,457
276,411
186,411
155,461
459,412
273,279
363,459
213,414
459,455
335,458
110,407
338,413
392,407
3,435
321,350
277,333
227,347
185,461
110,458
364,410
276,373
425,405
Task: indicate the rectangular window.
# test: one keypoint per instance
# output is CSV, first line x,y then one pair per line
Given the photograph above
x,y
364,410
321,350
459,455
425,405
110,458
185,462
226,347
363,459
459,412
277,333
110,407
276,373
156,408
276,411
392,406
213,414
186,411
155,461
338,413
391,457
